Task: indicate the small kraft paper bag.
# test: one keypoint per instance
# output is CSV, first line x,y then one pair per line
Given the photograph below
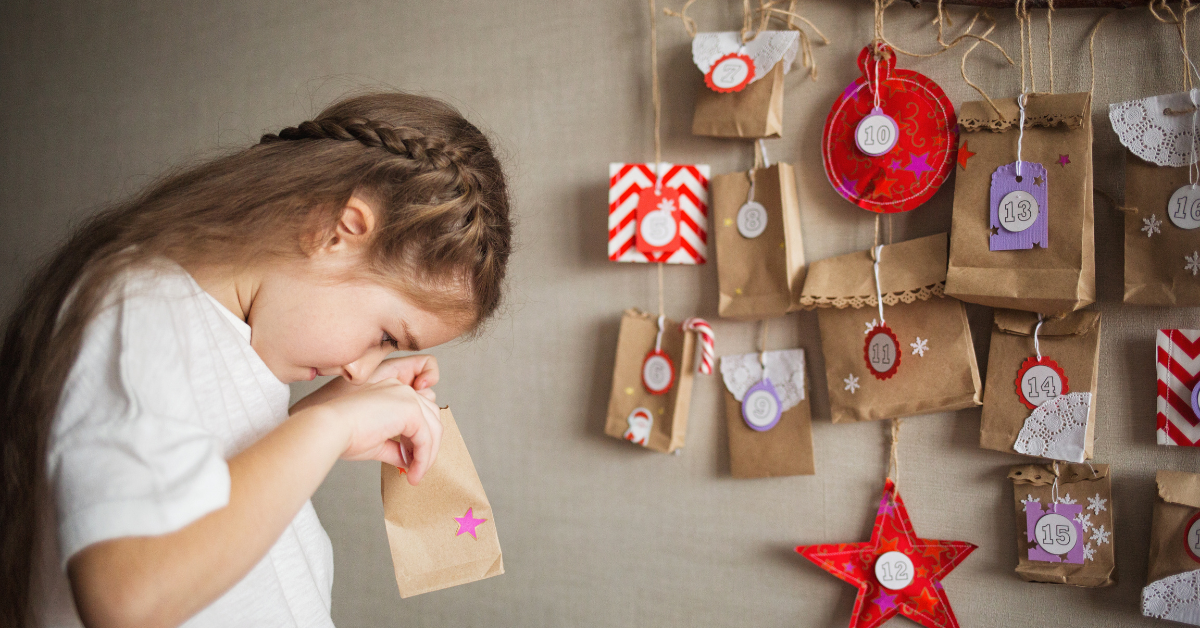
x,y
1172,588
1041,385
441,532
1064,524
1162,200
652,382
770,423
742,93
912,354
1021,232
760,256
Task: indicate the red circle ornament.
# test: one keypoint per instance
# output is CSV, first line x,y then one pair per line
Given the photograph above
x,y
1188,543
731,73
882,351
658,372
1046,363
908,173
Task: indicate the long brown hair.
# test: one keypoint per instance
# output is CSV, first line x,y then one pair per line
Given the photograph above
x,y
443,226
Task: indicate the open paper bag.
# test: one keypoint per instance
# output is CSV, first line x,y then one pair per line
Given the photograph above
x,y
920,362
441,532
733,102
1064,528
760,256
762,449
1173,578
1050,266
1044,408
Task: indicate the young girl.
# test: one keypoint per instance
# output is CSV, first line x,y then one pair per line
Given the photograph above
x,y
152,475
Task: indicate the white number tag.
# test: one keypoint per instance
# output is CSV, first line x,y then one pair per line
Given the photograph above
x,y
752,220
1184,207
877,133
1018,211
894,570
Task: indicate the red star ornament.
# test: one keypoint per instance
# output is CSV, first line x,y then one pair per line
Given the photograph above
x,y
895,572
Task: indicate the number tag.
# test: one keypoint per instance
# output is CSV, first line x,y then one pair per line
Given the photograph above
x,y
731,73
1184,207
658,221
1018,207
877,133
658,373
761,407
882,351
1191,542
752,220
1054,535
894,570
1039,381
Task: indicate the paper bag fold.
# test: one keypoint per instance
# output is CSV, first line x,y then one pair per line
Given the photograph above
x,y
754,112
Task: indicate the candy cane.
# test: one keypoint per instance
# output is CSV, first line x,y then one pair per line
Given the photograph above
x,y
702,328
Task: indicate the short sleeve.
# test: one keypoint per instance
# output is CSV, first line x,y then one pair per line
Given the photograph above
x,y
128,454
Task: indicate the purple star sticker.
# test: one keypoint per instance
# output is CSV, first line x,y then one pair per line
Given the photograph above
x,y
467,523
885,602
1064,160
919,164
849,187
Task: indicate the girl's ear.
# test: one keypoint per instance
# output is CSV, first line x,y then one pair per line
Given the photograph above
x,y
355,226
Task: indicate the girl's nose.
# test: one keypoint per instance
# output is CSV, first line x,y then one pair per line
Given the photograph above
x,y
360,370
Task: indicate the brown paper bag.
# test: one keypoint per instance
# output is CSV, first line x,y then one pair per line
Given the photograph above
x,y
760,276
937,370
441,532
1173,579
1156,262
1058,134
669,411
1075,548
754,112
786,448
1072,341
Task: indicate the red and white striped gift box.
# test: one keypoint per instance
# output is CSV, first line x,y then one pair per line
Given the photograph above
x,y
1178,372
624,183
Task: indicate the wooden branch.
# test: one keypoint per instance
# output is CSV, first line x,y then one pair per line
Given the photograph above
x,y
1043,4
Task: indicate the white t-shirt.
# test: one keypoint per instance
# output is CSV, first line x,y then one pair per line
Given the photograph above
x,y
165,389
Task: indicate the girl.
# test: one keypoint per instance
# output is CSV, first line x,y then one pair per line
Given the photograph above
x,y
152,475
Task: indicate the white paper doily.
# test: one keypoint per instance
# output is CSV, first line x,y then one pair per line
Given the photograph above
x,y
785,368
1057,429
1176,598
766,50
1149,133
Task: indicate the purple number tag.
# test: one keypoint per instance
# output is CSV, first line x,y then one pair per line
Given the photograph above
x,y
1018,207
1196,399
1054,535
760,406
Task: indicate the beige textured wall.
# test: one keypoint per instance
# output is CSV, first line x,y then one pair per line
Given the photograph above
x,y
98,97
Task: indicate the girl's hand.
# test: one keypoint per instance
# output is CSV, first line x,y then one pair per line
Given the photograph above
x,y
418,371
375,413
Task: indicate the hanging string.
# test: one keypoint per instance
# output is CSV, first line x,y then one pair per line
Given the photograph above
x,y
1180,22
750,195
654,95
766,163
1193,166
661,308
1049,40
1054,487
962,66
1021,100
878,290
894,456
1092,49
770,10
1037,347
658,338
762,347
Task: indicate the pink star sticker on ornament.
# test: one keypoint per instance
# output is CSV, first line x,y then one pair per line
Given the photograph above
x,y
467,523
919,165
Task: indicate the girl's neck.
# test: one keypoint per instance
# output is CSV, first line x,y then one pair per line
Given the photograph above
x,y
232,288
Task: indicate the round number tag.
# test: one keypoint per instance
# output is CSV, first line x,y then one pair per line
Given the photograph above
x,y
1191,542
877,133
1018,211
894,570
1196,399
761,408
731,73
1056,534
882,351
752,219
657,228
658,373
1184,207
1039,381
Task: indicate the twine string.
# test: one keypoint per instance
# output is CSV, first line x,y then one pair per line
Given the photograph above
x,y
878,289
1037,347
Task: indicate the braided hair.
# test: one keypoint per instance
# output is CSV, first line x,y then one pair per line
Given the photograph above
x,y
443,240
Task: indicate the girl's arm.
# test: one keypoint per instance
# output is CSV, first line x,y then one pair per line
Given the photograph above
x,y
161,581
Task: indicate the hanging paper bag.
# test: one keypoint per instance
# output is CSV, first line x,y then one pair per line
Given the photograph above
x,y
760,256
1162,208
441,532
1042,406
770,431
1178,370
742,92
1173,578
652,221
919,360
652,383
1064,528
1048,263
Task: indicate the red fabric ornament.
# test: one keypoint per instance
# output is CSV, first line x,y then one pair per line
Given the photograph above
x,y
894,556
908,173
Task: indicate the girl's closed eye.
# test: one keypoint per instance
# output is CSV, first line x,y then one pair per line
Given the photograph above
x,y
388,340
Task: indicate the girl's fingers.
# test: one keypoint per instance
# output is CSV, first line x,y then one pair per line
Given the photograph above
x,y
428,394
392,453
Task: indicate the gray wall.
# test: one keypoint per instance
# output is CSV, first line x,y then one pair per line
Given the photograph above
x,y
99,97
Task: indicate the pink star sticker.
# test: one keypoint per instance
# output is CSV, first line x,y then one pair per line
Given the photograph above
x,y
1063,160
919,164
467,523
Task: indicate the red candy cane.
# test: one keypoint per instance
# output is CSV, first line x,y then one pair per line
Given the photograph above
x,y
701,327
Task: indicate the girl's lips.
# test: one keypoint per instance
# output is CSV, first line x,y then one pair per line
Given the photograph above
x,y
312,374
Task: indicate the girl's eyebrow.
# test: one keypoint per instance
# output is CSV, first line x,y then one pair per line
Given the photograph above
x,y
413,345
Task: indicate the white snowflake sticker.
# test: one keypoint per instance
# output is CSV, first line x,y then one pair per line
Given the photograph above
x,y
920,346
1089,552
1084,519
1066,499
871,325
1152,225
1096,504
1100,535
851,383
1030,499
1193,262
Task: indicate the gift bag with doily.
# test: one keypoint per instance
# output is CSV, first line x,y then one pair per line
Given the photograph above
x,y
767,411
1021,232
760,255
742,93
894,344
1040,398
1064,524
1172,588
1162,198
